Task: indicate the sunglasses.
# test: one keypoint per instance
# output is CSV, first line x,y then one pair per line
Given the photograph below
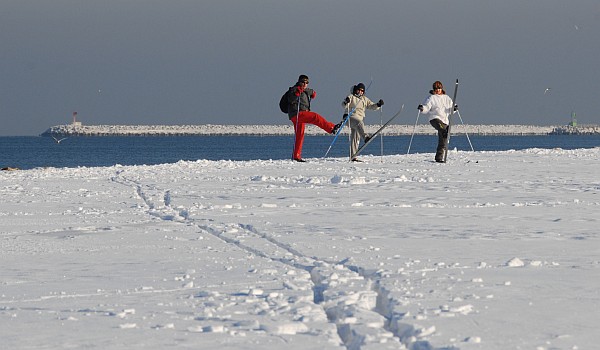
x,y
304,82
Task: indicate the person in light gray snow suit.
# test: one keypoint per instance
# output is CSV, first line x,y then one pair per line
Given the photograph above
x,y
357,103
439,106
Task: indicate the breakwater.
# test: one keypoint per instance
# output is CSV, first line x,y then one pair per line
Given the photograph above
x,y
287,129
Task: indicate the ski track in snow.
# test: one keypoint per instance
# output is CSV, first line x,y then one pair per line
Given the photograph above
x,y
354,298
339,300
346,293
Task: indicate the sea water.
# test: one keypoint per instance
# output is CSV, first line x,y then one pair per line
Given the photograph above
x,y
29,152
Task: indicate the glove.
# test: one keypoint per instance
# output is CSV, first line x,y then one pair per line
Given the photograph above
x,y
420,108
344,116
380,103
313,95
455,108
347,100
299,90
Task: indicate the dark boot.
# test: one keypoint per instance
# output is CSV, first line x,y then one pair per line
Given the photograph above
x,y
442,130
336,127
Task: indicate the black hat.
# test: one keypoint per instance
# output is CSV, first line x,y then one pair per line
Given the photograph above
x,y
303,78
359,86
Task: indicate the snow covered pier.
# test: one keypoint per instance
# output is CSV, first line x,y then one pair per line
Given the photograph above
x,y
577,130
274,130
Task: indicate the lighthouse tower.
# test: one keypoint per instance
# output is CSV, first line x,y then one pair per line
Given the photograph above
x,y
573,119
75,122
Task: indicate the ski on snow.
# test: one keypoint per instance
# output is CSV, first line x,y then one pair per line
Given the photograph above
x,y
450,121
376,133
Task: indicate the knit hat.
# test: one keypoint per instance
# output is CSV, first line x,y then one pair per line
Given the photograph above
x,y
303,78
359,86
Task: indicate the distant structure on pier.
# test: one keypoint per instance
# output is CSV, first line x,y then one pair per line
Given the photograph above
x,y
75,122
573,119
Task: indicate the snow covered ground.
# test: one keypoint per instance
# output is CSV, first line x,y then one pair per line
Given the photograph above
x,y
493,250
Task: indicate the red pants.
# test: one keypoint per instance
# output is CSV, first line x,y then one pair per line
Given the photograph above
x,y
307,117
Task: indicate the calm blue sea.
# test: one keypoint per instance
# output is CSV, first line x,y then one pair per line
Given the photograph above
x,y
33,151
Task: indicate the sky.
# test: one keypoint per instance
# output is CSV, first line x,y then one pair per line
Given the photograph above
x,y
228,62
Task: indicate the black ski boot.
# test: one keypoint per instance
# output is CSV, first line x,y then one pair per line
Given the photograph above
x,y
336,127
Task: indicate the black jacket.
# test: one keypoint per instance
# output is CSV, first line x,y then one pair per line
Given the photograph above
x,y
293,100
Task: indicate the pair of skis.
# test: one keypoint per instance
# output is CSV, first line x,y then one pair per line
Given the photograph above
x,y
373,136
376,133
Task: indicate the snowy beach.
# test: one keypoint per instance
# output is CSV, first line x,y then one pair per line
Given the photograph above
x,y
493,250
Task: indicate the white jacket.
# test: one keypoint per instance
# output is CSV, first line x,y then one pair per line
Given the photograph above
x,y
361,103
438,107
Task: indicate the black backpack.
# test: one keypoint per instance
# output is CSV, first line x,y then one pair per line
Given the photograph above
x,y
283,103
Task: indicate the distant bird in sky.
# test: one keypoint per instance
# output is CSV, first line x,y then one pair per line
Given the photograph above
x,y
546,91
58,140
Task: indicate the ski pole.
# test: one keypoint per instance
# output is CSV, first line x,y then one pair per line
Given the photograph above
x,y
467,134
348,112
338,133
381,123
296,127
450,122
413,133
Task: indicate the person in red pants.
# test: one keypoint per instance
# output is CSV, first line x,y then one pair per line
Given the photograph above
x,y
299,97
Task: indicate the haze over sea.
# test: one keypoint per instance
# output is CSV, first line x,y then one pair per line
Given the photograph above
x,y
29,152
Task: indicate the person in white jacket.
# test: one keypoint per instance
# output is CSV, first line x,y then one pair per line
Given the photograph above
x,y
355,105
439,106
